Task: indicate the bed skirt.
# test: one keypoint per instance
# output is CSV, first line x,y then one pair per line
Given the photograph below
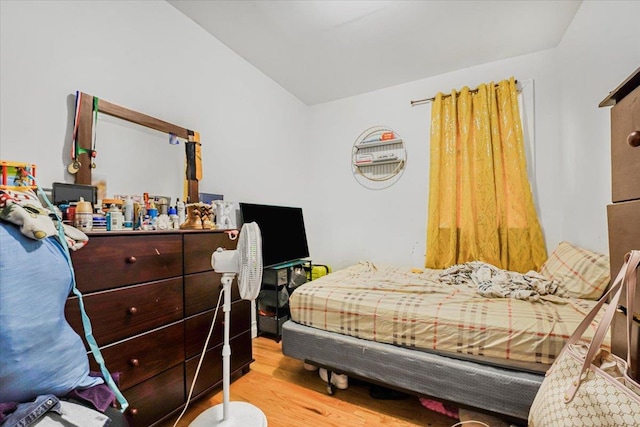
x,y
490,388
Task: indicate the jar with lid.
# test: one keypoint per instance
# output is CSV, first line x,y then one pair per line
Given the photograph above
x,y
83,218
115,219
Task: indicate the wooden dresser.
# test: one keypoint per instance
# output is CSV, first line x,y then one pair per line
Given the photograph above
x,y
151,297
624,213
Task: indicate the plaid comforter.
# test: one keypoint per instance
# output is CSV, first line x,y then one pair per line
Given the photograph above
x,y
395,305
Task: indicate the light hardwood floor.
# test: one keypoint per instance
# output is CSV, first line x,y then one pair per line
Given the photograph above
x,y
290,396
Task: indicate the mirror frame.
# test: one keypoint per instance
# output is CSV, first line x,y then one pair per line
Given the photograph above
x,y
85,133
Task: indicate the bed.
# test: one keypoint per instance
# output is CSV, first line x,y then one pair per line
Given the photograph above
x,y
421,332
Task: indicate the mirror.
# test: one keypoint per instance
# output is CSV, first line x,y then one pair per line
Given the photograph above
x,y
134,153
133,159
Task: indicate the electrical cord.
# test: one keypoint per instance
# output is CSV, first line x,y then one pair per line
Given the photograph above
x,y
469,422
195,377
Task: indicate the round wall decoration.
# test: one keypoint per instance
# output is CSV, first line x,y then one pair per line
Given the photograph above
x,y
378,157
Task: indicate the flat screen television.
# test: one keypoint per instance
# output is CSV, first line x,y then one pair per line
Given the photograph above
x,y
283,234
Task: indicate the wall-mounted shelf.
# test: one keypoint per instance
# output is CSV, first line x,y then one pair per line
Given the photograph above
x,y
378,143
385,145
385,162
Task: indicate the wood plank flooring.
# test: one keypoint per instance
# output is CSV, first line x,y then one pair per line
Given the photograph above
x,y
290,396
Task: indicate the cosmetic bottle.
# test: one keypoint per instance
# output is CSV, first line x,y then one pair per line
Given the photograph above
x,y
153,218
173,216
180,207
128,213
115,219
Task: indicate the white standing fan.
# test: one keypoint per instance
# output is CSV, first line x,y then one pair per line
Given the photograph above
x,y
246,262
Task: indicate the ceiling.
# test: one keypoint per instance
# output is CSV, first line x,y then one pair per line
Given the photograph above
x,y
326,50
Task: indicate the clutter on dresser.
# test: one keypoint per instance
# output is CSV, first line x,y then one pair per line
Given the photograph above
x,y
129,212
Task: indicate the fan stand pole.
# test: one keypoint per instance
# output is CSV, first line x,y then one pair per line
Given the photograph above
x,y
227,279
228,414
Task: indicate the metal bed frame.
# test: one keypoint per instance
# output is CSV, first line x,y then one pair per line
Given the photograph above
x,y
489,388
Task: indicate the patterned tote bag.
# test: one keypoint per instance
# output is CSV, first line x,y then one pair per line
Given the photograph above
x,y
586,385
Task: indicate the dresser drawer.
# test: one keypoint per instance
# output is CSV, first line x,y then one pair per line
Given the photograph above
x,y
113,261
122,313
201,291
211,371
625,159
197,327
140,358
154,399
199,247
619,341
624,235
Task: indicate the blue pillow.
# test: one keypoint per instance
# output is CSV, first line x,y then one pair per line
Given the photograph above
x,y
39,352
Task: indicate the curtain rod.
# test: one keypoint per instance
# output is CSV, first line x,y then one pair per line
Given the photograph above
x,y
433,98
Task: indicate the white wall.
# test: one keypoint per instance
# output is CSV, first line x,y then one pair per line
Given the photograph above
x,y
601,49
347,222
149,57
390,225
261,144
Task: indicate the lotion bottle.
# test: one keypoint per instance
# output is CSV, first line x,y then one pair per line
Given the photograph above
x,y
128,213
180,207
173,216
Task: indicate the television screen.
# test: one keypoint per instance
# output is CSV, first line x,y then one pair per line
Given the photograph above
x,y
283,235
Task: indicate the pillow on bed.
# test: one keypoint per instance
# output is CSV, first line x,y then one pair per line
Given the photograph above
x,y
580,272
40,353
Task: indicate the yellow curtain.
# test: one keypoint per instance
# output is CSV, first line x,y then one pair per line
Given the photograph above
x,y
480,202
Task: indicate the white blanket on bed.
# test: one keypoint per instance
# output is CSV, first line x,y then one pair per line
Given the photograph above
x,y
493,282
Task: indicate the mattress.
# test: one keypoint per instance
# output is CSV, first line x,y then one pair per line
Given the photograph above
x,y
395,305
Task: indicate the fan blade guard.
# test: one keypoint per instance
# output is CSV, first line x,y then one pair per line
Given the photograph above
x,y
250,258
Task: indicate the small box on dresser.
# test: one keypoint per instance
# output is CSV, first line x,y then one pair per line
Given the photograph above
x,y
623,214
151,297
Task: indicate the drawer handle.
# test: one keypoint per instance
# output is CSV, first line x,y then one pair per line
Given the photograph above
x,y
134,362
132,310
634,138
133,411
131,260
